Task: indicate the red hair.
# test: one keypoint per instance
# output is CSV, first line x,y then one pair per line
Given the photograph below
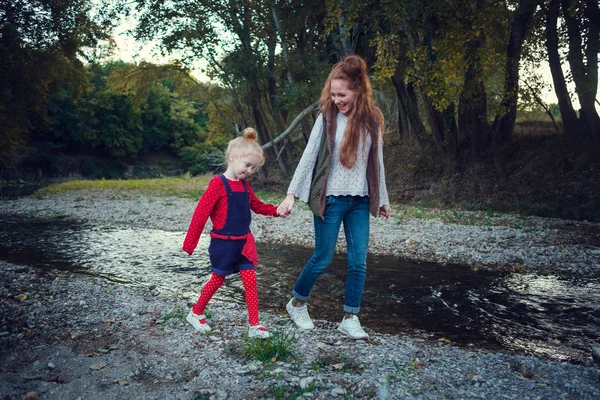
x,y
365,118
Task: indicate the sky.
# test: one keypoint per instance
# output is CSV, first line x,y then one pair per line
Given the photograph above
x,y
130,50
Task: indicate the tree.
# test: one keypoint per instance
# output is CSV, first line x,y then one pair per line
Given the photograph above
x,y
39,44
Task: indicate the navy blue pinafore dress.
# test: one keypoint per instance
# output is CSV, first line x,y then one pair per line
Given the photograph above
x,y
226,254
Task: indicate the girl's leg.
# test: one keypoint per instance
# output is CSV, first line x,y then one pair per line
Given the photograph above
x,y
214,283
326,234
356,228
248,277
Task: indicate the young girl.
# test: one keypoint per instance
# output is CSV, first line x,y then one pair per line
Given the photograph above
x,y
228,200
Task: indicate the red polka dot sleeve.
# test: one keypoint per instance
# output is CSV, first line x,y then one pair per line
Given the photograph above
x,y
212,203
259,207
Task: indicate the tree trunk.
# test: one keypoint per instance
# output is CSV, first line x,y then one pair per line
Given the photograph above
x,y
444,134
284,46
472,113
569,117
410,123
400,86
585,75
504,125
472,109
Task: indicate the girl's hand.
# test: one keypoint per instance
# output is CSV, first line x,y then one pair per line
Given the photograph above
x,y
385,211
285,208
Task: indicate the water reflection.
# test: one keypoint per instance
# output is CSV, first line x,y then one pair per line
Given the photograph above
x,y
530,313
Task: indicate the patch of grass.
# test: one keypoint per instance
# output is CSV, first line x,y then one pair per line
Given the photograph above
x,y
184,186
336,361
268,197
279,347
172,318
280,391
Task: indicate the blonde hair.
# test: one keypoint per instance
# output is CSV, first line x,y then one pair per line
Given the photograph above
x,y
245,145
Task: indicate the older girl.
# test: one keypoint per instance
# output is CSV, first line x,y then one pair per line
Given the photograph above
x,y
341,176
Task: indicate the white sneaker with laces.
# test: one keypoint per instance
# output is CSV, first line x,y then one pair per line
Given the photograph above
x,y
299,315
198,322
352,328
258,332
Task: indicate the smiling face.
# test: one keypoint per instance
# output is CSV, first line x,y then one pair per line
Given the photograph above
x,y
242,166
342,97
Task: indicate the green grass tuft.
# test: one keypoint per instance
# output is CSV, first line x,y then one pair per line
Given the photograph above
x,y
279,347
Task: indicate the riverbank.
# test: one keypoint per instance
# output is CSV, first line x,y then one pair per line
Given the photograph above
x,y
69,336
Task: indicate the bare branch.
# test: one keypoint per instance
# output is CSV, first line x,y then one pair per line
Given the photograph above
x,y
290,128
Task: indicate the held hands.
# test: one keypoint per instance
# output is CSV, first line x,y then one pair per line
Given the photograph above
x,y
385,211
285,208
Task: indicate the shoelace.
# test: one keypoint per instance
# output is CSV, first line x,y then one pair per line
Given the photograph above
x,y
303,315
354,324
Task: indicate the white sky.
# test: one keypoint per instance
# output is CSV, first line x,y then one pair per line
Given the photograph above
x,y
130,50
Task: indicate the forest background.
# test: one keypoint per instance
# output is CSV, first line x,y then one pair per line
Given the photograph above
x,y
457,80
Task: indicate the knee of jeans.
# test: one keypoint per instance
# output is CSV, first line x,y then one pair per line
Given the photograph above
x,y
357,268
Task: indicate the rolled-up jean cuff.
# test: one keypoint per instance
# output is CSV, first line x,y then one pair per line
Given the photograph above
x,y
351,310
299,296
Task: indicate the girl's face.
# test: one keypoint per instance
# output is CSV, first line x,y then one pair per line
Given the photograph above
x,y
242,166
342,97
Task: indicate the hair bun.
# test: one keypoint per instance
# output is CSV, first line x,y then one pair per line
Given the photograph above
x,y
355,66
250,133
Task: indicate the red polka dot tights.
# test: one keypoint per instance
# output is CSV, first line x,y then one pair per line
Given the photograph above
x,y
216,281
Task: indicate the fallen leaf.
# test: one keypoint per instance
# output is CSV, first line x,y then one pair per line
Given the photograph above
x,y
21,297
338,366
104,351
98,366
110,320
121,382
417,364
56,379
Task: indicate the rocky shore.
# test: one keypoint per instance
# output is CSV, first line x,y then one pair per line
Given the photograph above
x,y
66,336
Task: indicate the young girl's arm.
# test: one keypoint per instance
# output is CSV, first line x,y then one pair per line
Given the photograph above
x,y
203,210
259,207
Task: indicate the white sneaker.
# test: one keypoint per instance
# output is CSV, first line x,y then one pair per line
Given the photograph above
x,y
198,322
352,328
299,315
258,332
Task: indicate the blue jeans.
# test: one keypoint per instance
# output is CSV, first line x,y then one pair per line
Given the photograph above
x,y
353,211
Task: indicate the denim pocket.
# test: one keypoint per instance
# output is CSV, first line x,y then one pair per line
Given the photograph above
x,y
329,200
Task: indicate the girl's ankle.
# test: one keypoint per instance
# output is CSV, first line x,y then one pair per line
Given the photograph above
x,y
297,303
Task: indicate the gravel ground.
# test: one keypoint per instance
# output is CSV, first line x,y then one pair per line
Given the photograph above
x,y
64,336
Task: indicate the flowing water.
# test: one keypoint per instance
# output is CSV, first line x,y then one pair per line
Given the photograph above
x,y
527,313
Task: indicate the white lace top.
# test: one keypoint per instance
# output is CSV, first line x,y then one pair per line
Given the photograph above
x,y
341,180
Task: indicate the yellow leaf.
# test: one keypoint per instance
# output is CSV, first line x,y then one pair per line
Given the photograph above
x,y
98,366
121,382
21,297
